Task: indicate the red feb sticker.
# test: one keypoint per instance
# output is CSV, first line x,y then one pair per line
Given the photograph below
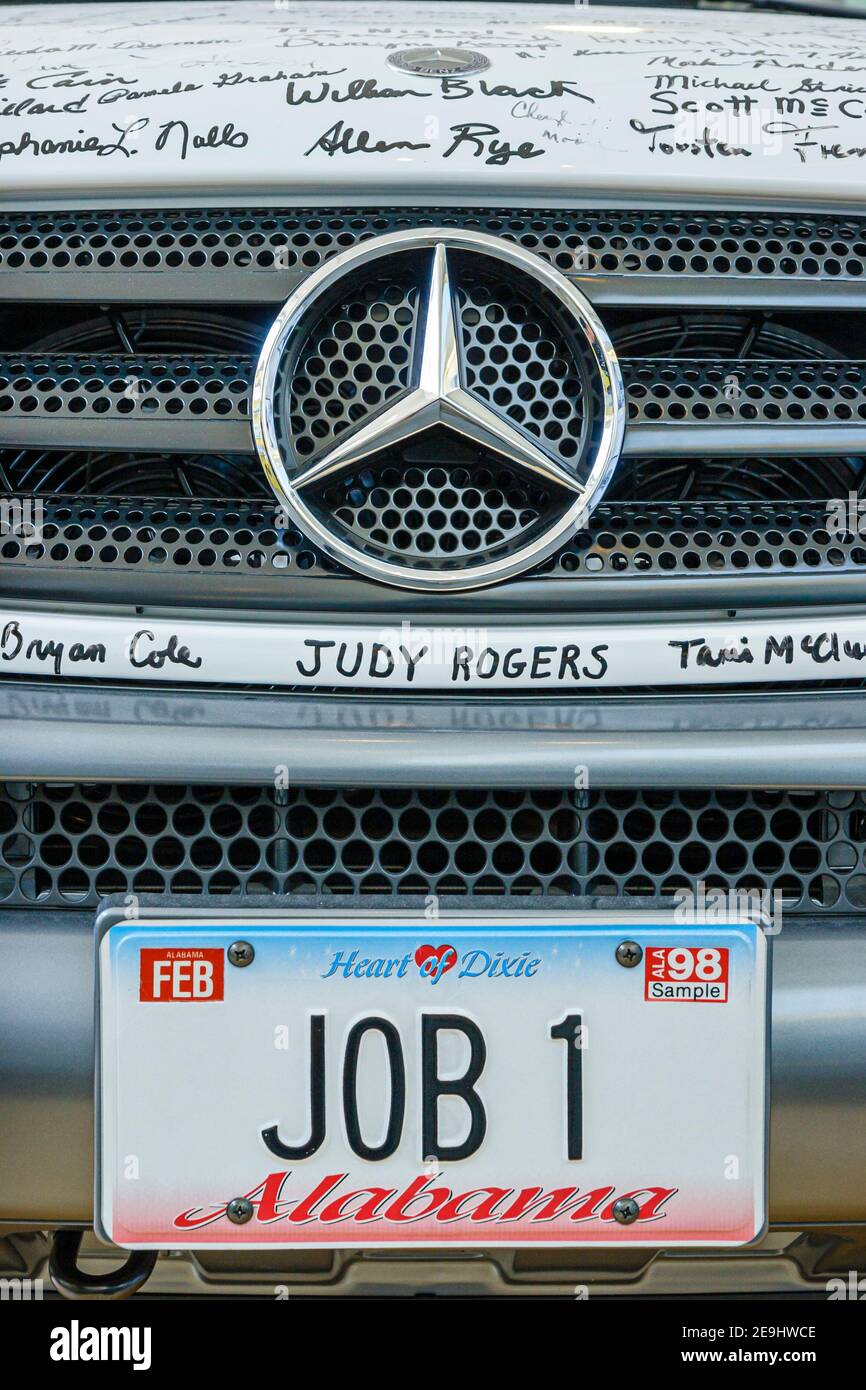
x,y
694,974
180,974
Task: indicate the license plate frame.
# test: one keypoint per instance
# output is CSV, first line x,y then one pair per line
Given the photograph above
x,y
593,926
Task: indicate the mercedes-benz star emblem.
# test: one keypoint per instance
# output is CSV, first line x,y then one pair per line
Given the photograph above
x,y
438,409
439,62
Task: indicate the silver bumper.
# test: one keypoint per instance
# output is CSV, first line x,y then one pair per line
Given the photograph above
x,y
818,1116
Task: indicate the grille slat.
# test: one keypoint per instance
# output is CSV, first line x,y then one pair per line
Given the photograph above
x,y
644,257
102,400
242,543
201,403
65,845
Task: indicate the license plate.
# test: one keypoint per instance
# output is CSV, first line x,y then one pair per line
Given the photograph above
x,y
364,1079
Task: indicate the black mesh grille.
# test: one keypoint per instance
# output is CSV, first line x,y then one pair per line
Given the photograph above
x,y
66,845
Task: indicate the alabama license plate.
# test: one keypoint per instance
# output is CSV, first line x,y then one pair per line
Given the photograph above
x,y
364,1079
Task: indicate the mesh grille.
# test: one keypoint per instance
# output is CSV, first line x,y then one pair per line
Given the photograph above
x,y
355,359
753,392
635,540
519,361
436,511
92,473
650,243
777,481
71,845
154,387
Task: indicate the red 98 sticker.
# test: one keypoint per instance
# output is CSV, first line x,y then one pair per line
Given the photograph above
x,y
687,974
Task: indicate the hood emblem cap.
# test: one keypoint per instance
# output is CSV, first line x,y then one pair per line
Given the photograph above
x,y
439,62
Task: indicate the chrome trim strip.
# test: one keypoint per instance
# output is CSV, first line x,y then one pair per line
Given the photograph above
x,y
667,438
673,439
125,432
249,287
643,291
72,733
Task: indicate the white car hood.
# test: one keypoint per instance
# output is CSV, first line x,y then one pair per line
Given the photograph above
x,y
161,103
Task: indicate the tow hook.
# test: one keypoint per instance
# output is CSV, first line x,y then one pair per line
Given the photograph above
x,y
72,1282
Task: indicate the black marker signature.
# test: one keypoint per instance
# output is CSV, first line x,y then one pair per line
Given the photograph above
x,y
12,642
29,106
359,89
344,139
214,139
821,648
237,79
704,144
172,653
75,77
481,140
90,144
115,94
458,88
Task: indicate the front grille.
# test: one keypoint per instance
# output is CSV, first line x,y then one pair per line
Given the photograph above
x,y
89,249
65,845
130,339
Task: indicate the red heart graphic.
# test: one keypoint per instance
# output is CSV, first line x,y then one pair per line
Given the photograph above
x,y
435,953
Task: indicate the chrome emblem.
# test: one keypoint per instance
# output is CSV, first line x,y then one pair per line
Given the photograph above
x,y
439,62
438,409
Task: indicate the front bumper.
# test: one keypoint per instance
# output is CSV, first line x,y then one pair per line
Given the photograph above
x,y
818,1073
817,1180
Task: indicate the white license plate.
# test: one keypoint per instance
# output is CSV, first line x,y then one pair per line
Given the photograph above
x,y
373,1080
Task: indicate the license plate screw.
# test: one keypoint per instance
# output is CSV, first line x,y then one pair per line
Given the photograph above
x,y
626,1210
240,1210
241,953
629,954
